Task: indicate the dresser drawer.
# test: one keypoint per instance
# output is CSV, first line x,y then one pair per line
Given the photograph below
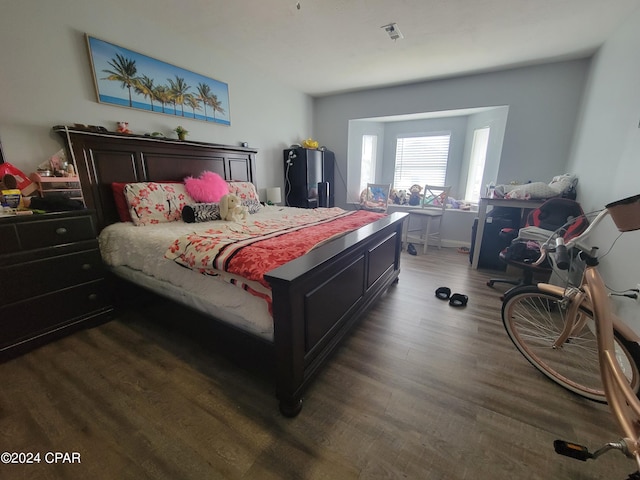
x,y
38,315
58,231
34,278
8,239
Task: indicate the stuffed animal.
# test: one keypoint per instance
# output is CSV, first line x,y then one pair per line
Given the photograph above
x,y
393,196
414,194
123,127
402,197
231,209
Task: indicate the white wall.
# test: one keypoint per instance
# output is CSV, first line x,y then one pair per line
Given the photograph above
x,y
46,80
543,102
606,153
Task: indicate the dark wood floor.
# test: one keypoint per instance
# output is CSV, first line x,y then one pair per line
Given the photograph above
x,y
420,390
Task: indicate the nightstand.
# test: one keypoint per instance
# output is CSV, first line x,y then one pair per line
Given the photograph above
x,y
52,280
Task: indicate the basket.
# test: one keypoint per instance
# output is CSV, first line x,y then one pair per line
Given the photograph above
x,y
626,213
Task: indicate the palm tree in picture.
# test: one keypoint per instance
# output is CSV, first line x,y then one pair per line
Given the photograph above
x,y
124,70
162,95
204,92
144,86
191,100
178,91
215,105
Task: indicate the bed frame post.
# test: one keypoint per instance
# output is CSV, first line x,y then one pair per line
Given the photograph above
x,y
288,337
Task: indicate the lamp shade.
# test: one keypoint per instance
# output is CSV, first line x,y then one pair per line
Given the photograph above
x,y
274,195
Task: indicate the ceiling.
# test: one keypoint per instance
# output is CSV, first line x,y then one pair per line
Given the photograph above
x,y
333,46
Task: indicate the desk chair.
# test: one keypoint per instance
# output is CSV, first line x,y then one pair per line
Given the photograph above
x,y
433,205
375,197
540,225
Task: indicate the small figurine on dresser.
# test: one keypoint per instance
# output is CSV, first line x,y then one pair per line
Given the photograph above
x,y
123,127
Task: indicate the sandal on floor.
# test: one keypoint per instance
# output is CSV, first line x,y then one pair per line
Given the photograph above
x,y
464,250
443,293
458,300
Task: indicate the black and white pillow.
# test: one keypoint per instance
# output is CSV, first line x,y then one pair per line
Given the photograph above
x,y
201,212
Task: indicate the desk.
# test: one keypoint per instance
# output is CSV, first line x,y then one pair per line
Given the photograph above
x,y
482,217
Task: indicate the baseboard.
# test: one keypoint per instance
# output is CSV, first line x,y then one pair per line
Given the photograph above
x,y
454,243
449,244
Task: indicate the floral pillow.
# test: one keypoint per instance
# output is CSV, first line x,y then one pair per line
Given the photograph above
x,y
151,202
248,195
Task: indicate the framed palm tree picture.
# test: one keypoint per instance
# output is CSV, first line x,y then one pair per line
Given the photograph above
x,y
129,79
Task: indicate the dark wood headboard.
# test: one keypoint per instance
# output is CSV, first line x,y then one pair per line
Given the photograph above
x,y
101,158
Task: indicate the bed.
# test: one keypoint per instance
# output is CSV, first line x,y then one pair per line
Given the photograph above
x,y
306,320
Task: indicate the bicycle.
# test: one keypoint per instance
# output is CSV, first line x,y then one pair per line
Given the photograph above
x,y
570,334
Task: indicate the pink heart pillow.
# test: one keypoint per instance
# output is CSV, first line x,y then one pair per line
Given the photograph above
x,y
209,188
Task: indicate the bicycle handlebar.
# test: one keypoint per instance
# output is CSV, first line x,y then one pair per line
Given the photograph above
x,y
561,249
562,255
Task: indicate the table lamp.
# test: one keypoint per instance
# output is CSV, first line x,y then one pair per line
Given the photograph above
x,y
274,195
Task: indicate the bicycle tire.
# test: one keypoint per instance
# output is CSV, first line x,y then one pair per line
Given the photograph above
x,y
533,319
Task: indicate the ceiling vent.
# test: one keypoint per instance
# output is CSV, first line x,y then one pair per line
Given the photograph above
x,y
393,31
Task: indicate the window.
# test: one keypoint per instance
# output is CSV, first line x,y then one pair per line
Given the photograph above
x,y
476,164
421,160
368,161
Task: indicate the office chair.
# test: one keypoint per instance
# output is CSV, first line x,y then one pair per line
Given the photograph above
x,y
555,213
433,205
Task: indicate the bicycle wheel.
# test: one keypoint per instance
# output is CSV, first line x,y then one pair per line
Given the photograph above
x,y
534,320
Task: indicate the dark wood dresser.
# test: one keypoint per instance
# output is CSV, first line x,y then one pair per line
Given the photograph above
x,y
52,281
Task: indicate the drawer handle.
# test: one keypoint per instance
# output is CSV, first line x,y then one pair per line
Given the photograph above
x,y
93,296
86,266
61,231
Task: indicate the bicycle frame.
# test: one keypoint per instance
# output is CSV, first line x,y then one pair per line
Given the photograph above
x,y
592,293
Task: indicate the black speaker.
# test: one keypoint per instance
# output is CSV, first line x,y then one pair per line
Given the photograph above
x,y
323,194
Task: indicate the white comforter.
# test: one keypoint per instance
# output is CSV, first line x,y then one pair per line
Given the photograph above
x,y
138,252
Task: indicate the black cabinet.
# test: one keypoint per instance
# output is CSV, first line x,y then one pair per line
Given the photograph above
x,y
308,178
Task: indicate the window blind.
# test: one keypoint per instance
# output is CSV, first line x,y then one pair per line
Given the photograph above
x,y
421,160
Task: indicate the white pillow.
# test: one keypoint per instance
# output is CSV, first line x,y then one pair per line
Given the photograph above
x,y
152,203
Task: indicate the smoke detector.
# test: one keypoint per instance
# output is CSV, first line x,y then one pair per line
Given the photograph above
x,y
393,31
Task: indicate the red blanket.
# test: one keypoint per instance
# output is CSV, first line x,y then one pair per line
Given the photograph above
x,y
248,254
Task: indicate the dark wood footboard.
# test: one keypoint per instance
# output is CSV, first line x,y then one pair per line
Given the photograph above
x,y
319,297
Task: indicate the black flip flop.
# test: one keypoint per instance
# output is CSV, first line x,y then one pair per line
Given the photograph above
x,y
443,293
458,300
